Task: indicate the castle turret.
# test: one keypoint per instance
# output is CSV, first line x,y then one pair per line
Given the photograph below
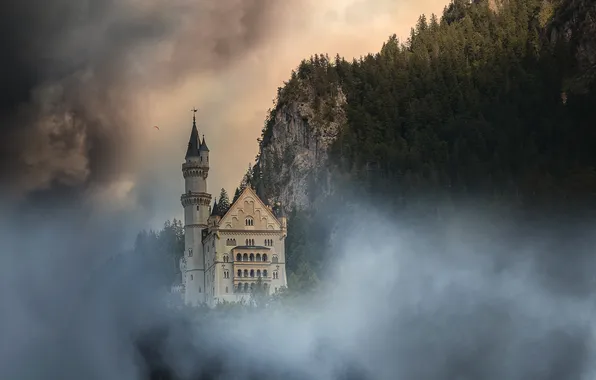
x,y
195,201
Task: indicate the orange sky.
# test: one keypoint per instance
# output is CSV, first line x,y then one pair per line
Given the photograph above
x,y
233,102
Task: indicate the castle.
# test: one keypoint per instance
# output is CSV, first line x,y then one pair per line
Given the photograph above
x,y
227,253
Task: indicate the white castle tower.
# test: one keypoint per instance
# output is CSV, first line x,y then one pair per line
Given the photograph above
x,y
195,201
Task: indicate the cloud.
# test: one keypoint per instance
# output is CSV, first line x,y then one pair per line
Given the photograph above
x,y
76,73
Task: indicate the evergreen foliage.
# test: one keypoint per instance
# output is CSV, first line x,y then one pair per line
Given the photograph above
x,y
224,202
493,99
470,104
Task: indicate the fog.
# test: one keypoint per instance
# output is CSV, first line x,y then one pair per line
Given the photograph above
x,y
84,82
478,296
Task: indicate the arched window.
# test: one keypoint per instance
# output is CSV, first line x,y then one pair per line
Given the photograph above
x,y
252,257
246,273
226,289
258,257
249,221
246,286
265,273
197,208
238,257
239,288
239,272
245,257
252,286
264,257
274,259
226,259
275,275
189,252
258,273
252,273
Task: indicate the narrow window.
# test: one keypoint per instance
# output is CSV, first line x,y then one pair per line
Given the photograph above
x,y
252,257
238,257
239,272
226,289
265,273
191,278
189,252
197,208
252,273
200,289
245,257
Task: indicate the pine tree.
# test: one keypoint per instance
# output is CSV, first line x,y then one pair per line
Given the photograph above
x,y
236,194
224,201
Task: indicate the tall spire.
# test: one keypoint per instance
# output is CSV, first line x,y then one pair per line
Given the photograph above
x,y
215,209
193,143
203,146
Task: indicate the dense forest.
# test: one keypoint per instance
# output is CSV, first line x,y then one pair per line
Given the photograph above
x,y
491,100
494,99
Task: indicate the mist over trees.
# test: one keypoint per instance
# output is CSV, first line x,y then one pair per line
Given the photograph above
x,y
492,99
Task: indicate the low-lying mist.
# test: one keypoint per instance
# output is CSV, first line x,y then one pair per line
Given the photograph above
x,y
474,297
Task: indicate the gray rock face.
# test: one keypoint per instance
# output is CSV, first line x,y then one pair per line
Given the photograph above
x,y
295,157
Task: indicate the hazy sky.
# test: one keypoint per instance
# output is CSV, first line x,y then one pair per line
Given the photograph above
x,y
233,103
89,79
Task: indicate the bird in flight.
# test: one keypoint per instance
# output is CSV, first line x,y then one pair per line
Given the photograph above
x,y
156,127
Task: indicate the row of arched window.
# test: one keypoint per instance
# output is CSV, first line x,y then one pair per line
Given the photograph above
x,y
252,273
252,257
249,221
246,287
250,242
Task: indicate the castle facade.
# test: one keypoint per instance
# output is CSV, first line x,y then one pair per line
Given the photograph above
x,y
229,253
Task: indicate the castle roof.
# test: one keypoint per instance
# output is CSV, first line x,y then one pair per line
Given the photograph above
x,y
248,189
215,209
193,142
203,146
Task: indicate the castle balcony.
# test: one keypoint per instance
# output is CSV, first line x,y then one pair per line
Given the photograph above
x,y
251,279
194,166
251,275
195,198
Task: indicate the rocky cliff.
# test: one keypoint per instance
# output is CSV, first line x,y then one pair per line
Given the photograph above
x,y
492,99
298,135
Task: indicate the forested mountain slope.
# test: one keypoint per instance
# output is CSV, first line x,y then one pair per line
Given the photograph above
x,y
495,98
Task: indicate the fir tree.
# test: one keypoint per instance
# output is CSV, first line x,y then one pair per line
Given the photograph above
x,y
224,201
236,194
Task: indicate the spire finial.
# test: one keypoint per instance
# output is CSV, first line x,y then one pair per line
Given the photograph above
x,y
194,113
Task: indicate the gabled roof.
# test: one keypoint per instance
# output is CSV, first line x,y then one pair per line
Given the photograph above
x,y
248,191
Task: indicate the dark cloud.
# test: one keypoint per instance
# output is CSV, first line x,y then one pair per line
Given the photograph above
x,y
73,71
